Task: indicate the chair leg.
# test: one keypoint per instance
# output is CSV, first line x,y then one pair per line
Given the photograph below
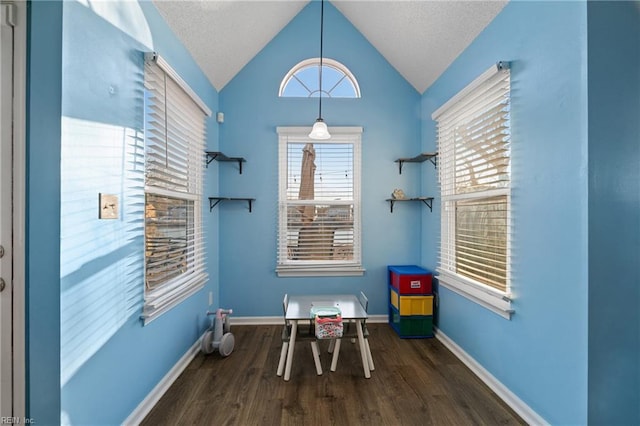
x,y
283,358
290,351
316,357
336,354
363,353
332,345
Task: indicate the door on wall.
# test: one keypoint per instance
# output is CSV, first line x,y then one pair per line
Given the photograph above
x,y
7,11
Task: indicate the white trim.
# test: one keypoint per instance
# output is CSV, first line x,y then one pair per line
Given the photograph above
x,y
19,191
307,63
189,136
479,97
519,406
164,65
169,304
147,404
503,392
494,69
378,319
321,268
485,296
273,320
326,271
278,320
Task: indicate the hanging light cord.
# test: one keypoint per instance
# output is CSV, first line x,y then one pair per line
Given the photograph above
x,y
321,38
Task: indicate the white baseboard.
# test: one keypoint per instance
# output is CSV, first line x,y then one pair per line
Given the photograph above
x,y
516,404
523,410
278,320
141,411
255,320
144,408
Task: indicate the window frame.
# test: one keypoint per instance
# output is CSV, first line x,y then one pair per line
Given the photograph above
x,y
485,295
326,63
175,95
290,268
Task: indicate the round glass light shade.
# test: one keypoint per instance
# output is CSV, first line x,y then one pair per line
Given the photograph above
x,y
319,130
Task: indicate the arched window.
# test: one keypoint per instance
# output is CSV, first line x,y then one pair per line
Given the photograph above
x,y
302,81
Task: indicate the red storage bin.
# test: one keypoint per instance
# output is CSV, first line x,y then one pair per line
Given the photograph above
x,y
410,279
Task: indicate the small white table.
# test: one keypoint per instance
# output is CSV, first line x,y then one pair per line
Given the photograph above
x,y
299,309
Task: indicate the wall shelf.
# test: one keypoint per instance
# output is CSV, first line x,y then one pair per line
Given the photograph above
x,y
431,156
428,201
214,201
219,156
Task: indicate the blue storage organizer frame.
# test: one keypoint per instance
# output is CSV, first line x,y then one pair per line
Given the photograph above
x,y
395,313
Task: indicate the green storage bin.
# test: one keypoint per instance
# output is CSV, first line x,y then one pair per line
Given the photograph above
x,y
410,326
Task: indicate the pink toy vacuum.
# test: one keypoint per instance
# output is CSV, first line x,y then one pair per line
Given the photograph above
x,y
218,336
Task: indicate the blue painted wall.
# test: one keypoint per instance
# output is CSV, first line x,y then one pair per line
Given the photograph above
x,y
84,276
614,212
541,354
42,286
389,113
570,367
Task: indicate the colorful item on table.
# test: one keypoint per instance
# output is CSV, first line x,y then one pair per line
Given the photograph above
x,y
328,322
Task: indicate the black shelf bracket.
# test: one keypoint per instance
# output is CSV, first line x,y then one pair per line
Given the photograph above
x,y
431,156
219,156
428,201
214,201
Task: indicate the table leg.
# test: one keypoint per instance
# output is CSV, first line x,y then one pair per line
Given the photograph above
x,y
292,342
363,351
371,366
336,353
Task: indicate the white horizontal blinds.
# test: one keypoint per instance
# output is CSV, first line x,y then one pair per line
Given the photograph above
x,y
332,170
474,170
320,194
169,231
319,202
175,122
481,240
174,162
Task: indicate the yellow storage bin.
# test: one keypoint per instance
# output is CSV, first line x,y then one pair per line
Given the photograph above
x,y
411,305
394,299
416,305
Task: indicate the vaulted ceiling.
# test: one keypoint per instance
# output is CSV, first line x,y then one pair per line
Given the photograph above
x,y
420,38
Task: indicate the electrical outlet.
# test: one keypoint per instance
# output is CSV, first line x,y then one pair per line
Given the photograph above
x,y
107,206
210,298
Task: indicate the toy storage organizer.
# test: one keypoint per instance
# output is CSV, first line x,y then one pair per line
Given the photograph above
x,y
411,301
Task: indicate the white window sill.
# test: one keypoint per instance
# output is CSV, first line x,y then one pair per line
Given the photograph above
x,y
497,302
319,271
163,300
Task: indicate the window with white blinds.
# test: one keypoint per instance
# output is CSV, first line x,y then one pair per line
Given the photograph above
x,y
174,162
319,203
475,178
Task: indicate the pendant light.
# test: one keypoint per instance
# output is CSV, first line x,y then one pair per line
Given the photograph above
x,y
320,130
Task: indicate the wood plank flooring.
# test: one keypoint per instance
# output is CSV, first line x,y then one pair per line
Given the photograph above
x,y
415,382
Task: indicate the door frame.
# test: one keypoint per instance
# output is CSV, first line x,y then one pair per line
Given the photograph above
x,y
18,213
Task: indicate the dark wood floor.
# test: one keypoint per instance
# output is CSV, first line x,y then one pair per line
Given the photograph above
x,y
415,382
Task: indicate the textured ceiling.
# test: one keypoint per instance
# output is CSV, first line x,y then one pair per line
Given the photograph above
x,y
420,38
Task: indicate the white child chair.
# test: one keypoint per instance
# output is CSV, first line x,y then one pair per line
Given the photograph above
x,y
286,337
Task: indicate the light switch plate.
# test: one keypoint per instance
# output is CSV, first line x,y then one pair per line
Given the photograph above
x,y
108,206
